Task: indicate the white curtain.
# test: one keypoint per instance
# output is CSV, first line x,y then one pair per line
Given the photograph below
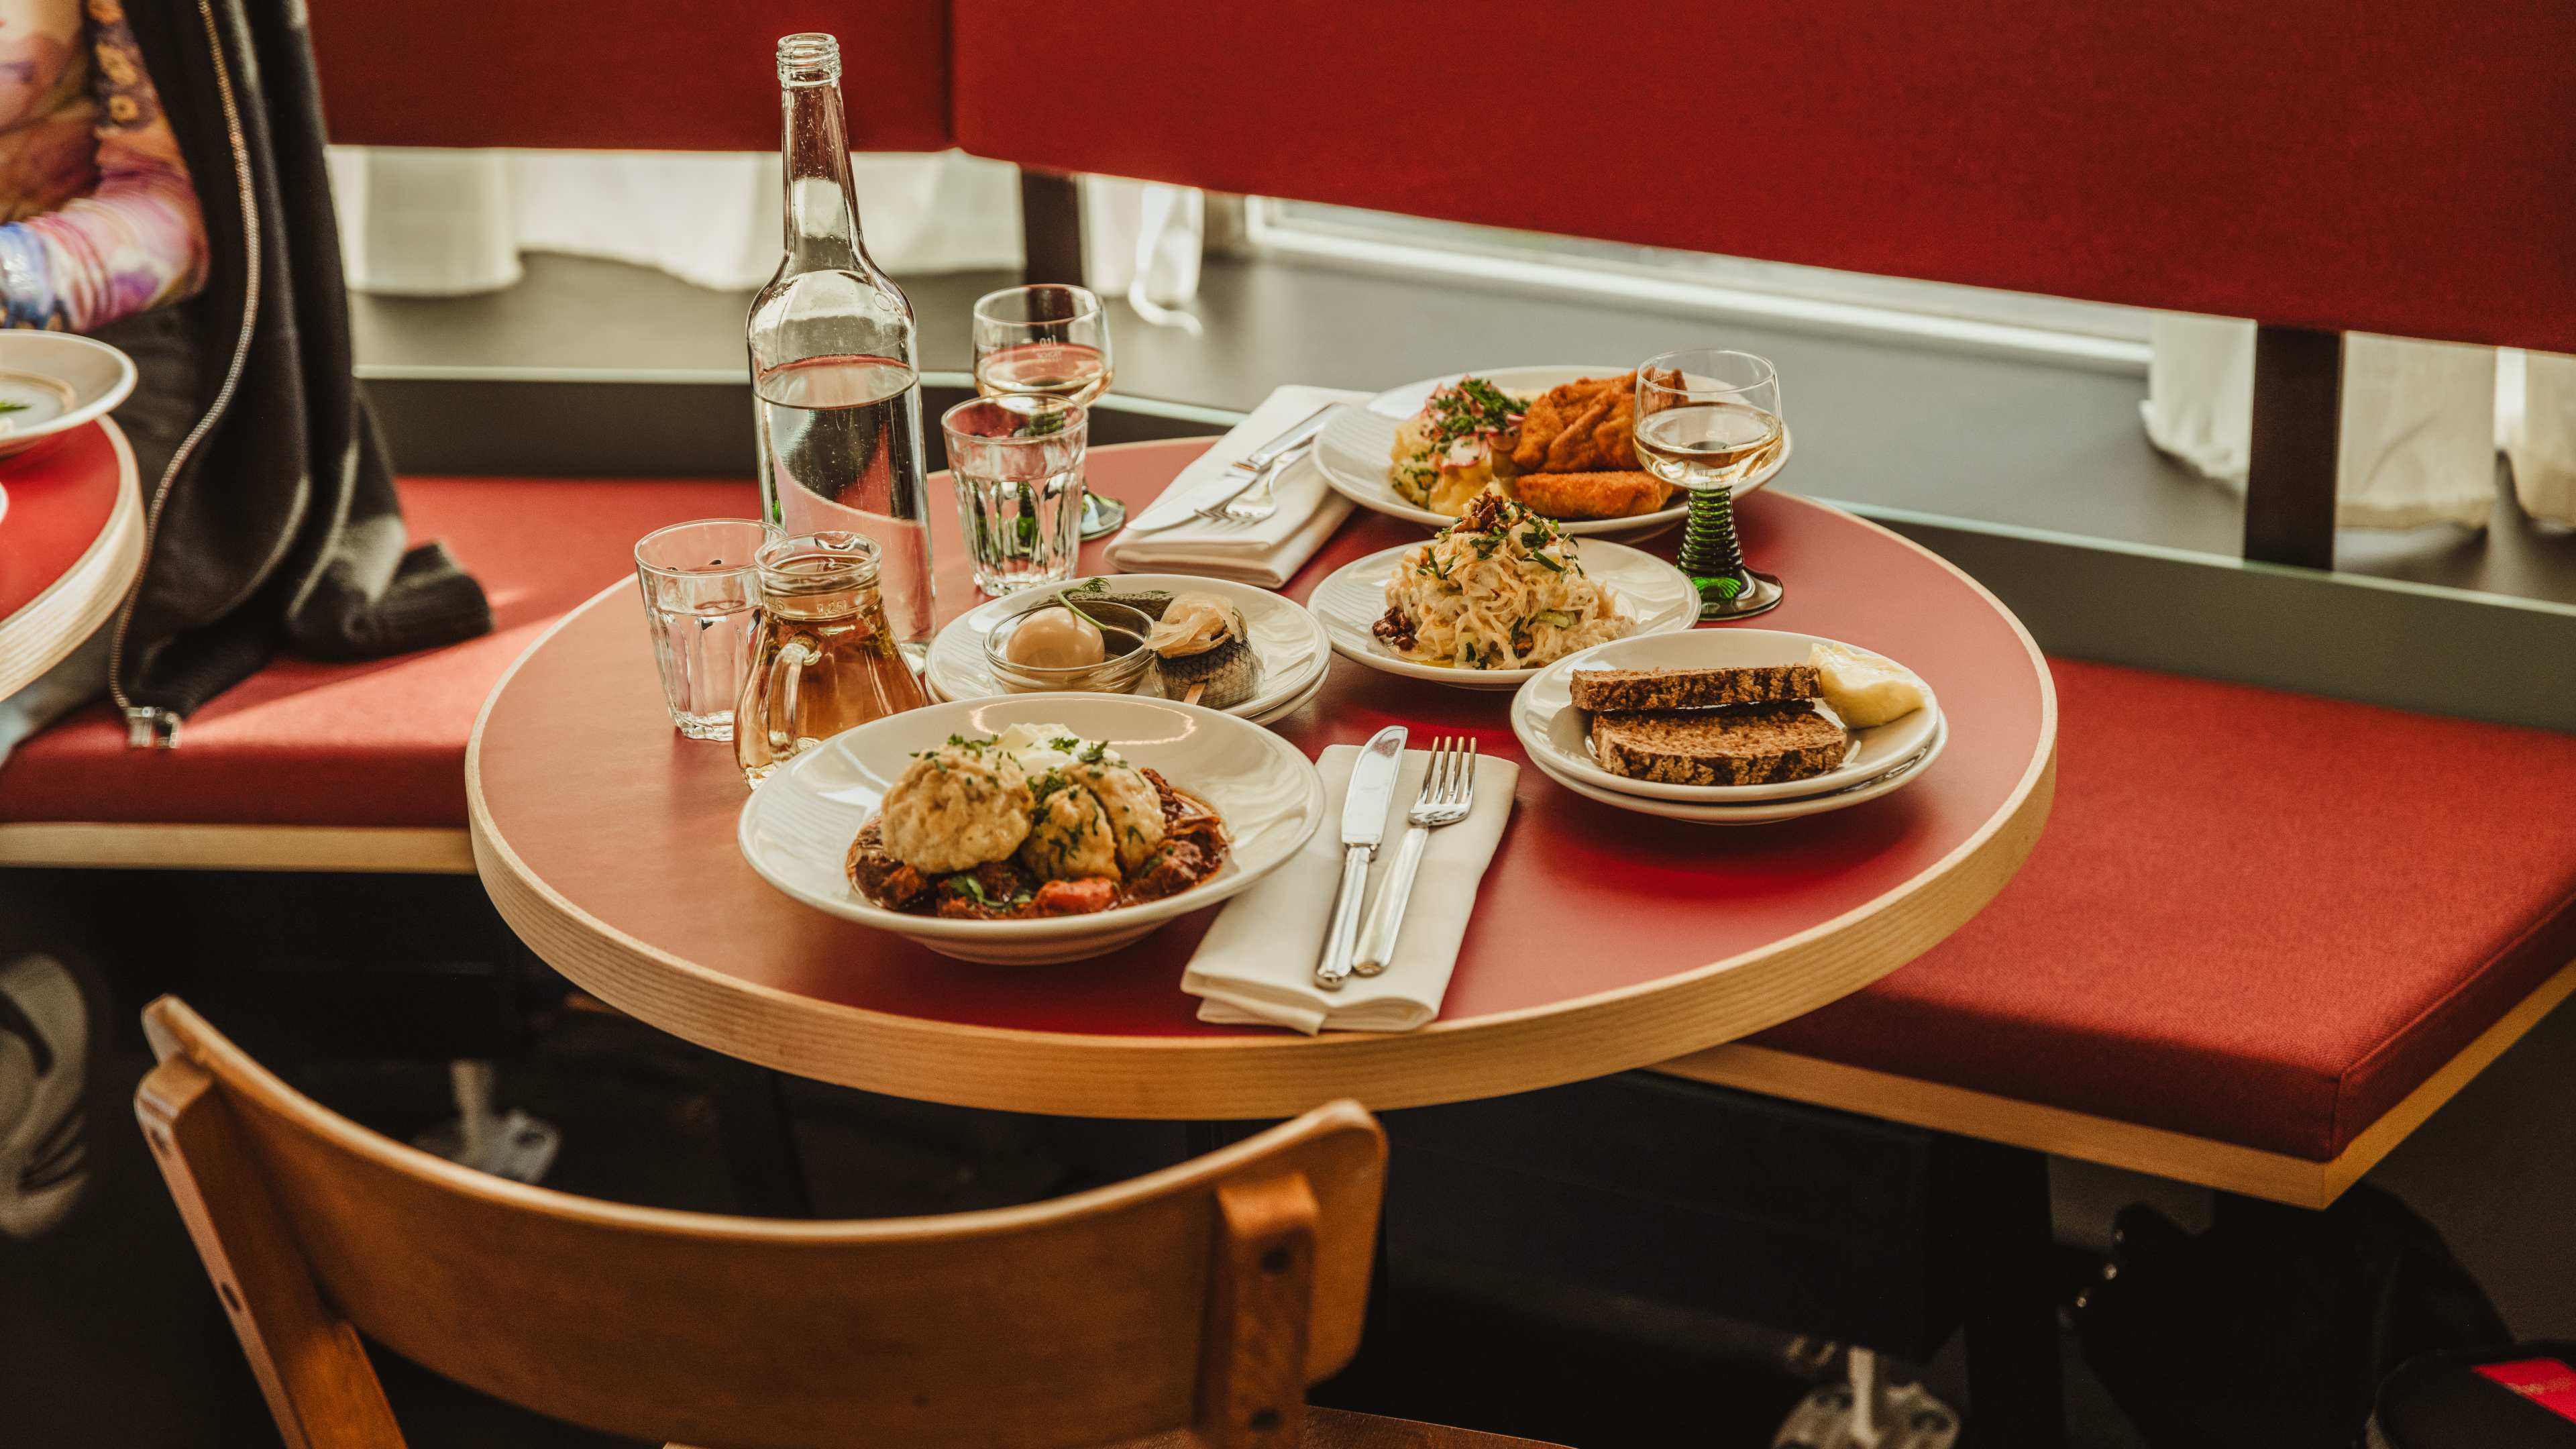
x,y
2422,422
421,222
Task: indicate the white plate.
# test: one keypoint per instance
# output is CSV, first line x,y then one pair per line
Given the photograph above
x,y
1764,812
1657,595
63,381
797,827
1544,716
1355,447
1288,640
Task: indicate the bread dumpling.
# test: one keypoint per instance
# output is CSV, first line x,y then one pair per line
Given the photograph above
x,y
1069,835
955,808
1131,804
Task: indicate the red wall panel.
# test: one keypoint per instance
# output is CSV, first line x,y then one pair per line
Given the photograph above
x,y
2398,168
646,75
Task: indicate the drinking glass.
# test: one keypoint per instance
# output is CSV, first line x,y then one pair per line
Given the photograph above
x,y
823,657
698,602
1048,340
1707,420
1017,466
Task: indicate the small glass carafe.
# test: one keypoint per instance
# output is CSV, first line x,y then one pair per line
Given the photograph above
x,y
823,659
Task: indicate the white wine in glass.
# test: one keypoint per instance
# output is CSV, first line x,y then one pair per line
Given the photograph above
x,y
1073,371
1707,445
1048,340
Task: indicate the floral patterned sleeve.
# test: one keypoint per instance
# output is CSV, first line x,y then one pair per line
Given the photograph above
x,y
133,239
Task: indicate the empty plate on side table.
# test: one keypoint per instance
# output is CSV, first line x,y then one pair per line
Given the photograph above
x,y
53,382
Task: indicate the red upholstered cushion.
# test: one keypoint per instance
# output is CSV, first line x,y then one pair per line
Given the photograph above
x,y
379,743
2254,916
620,75
2282,161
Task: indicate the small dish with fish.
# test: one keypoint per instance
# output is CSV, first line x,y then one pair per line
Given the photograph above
x,y
1244,650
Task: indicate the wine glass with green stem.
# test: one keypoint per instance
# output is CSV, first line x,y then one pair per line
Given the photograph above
x,y
1707,420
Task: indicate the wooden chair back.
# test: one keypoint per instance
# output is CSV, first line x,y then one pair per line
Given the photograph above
x,y
1203,1297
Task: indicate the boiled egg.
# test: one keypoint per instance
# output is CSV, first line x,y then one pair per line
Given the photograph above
x,y
1055,638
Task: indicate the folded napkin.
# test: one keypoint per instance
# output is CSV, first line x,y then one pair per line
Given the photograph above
x,y
1267,553
1257,963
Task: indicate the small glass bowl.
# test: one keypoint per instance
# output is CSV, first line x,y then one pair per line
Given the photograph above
x,y
1117,674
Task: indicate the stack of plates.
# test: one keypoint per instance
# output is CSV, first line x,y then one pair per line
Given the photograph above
x,y
1558,736
1289,642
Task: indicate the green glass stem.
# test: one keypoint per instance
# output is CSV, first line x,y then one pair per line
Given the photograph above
x,y
1714,560
1708,541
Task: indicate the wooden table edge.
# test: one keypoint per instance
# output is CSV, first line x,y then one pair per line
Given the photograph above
x,y
1268,1075
2205,1161
51,625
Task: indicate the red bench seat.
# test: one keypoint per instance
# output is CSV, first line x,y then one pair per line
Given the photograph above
x,y
2254,916
380,743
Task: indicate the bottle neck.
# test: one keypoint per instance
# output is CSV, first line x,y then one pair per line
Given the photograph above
x,y
821,208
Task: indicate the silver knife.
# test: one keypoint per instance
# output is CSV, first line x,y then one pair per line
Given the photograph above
x,y
1279,447
1364,811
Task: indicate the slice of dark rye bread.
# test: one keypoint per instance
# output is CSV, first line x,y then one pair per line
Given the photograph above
x,y
1746,745
1597,690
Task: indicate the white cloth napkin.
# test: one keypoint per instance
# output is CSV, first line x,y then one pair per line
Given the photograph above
x,y
1257,963
1267,553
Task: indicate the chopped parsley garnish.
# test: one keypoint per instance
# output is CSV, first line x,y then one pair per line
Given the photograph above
x,y
1471,407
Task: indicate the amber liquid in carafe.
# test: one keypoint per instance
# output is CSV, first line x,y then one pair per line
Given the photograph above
x,y
822,662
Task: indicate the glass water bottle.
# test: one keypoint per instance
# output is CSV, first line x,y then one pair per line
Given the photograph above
x,y
835,367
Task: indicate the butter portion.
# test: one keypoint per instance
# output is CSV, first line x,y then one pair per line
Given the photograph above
x,y
1866,689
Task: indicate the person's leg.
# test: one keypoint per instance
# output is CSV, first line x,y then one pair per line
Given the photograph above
x,y
47,1037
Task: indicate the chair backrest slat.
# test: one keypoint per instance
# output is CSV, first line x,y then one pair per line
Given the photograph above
x,y
1078,1321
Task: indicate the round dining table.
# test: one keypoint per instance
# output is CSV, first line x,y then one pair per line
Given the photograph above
x,y
71,543
1602,940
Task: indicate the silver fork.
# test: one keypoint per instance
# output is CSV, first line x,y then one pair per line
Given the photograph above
x,y
1221,511
1448,793
1262,500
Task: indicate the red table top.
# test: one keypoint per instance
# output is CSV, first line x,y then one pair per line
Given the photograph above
x,y
71,505
628,830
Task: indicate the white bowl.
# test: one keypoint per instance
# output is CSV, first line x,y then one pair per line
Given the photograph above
x,y
1351,599
62,381
797,827
1558,736
1287,640
1353,451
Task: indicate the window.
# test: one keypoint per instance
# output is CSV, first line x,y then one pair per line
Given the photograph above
x,y
2092,332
